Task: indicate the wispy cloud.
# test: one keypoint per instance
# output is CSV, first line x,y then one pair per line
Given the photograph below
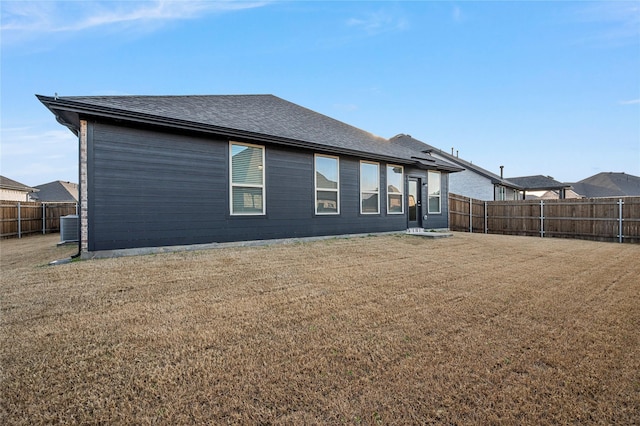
x,y
34,155
379,22
28,140
345,107
618,22
31,19
630,102
456,14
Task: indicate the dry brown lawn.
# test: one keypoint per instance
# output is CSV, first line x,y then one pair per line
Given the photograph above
x,y
395,329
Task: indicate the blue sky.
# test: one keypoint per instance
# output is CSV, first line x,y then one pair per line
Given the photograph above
x,y
548,88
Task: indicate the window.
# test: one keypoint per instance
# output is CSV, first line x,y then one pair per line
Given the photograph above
x,y
395,189
433,185
247,179
327,185
369,188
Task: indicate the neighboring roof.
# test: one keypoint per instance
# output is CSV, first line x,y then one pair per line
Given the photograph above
x,y
608,184
6,183
265,118
323,182
538,183
408,141
58,191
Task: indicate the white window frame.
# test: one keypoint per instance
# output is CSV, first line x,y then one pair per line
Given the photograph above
x,y
401,193
429,196
238,185
370,192
315,184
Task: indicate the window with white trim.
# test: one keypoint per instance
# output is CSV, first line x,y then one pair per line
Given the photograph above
x,y
433,186
395,189
369,187
327,184
247,176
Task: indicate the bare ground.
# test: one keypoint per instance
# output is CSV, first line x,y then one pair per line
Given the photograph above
x,y
474,329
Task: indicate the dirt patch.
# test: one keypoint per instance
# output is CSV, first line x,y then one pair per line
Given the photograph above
x,y
397,329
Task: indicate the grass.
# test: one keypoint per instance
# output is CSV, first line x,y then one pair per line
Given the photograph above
x,y
397,329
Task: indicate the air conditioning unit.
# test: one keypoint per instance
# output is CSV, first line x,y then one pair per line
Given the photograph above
x,y
69,228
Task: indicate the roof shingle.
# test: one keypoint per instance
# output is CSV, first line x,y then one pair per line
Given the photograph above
x,y
256,115
57,191
538,182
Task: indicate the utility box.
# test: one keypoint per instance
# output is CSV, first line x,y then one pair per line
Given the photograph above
x,y
69,228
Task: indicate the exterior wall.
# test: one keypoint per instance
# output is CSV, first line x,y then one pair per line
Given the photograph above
x,y
11,195
440,220
470,184
513,194
148,188
510,194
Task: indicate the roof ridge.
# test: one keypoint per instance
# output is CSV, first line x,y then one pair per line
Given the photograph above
x,y
73,97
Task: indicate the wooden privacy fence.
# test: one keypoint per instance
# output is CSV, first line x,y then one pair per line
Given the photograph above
x,y
600,219
21,218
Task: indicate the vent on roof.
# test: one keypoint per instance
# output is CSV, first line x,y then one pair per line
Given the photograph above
x,y
69,228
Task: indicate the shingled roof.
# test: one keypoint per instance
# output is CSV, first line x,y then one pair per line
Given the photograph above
x,y
57,191
265,118
538,182
608,184
409,141
6,183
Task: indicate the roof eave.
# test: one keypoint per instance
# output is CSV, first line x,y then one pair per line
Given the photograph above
x,y
545,188
465,165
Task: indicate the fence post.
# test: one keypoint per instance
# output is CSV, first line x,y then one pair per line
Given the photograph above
x,y
541,219
19,223
486,222
470,215
620,203
44,219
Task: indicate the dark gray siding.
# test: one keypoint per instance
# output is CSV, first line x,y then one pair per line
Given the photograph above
x,y
153,189
440,220
149,188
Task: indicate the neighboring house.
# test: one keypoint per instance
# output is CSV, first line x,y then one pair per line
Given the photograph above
x,y
10,190
608,184
173,170
473,181
552,195
57,191
540,184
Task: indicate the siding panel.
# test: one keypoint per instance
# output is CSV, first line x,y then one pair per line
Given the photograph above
x,y
154,189
150,188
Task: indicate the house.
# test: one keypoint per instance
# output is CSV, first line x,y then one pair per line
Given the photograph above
x,y
57,191
175,170
473,181
552,195
10,190
540,184
608,184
